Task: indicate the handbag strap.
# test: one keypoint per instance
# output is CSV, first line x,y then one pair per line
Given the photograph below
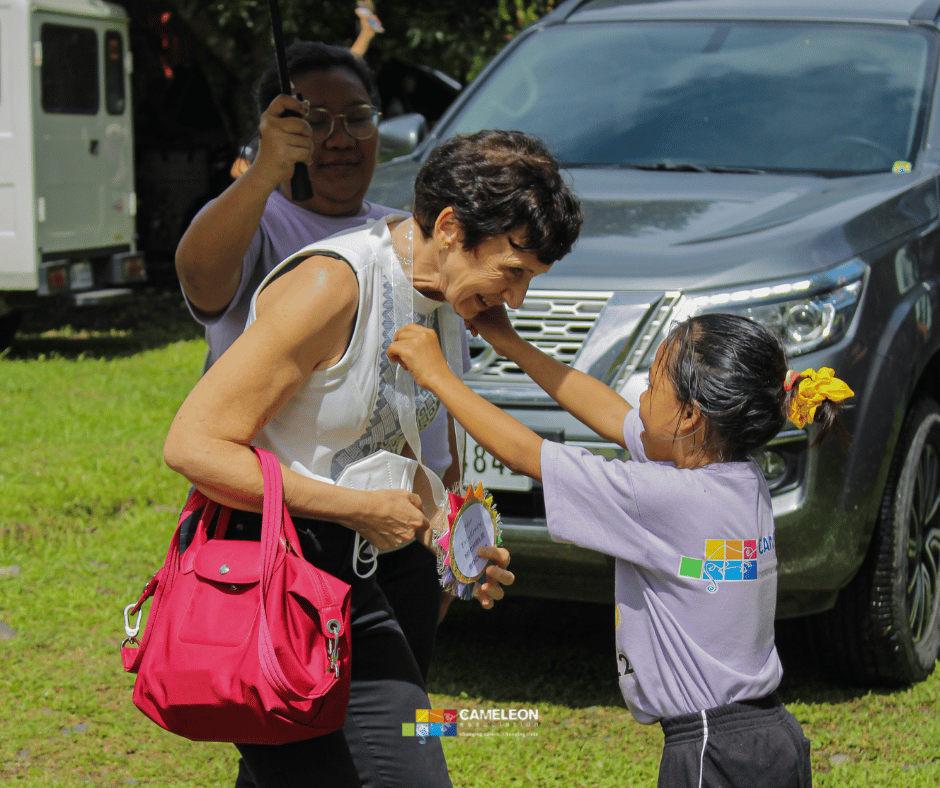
x,y
175,562
275,520
274,516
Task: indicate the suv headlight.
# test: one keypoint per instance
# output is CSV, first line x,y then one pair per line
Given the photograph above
x,y
805,316
808,313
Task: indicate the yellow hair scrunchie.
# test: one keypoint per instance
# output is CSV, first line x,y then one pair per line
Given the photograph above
x,y
814,389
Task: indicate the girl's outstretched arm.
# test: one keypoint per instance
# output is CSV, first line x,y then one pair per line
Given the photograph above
x,y
518,448
587,399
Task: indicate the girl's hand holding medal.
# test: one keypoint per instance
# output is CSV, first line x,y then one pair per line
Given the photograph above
x,y
497,576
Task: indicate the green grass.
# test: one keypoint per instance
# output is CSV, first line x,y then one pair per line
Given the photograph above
x,y
87,508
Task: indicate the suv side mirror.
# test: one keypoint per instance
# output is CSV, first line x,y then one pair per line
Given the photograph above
x,y
400,135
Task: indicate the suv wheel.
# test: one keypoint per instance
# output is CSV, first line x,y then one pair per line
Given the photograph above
x,y
885,628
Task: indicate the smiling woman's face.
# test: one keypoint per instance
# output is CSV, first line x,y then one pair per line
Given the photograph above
x,y
342,165
493,273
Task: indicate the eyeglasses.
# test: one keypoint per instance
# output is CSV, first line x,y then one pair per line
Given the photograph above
x,y
361,121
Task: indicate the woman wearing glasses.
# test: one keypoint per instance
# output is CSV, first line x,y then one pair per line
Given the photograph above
x,y
235,241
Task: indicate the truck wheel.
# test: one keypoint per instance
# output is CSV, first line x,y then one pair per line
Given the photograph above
x,y
888,617
8,325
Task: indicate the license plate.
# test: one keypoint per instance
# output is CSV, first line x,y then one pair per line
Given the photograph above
x,y
481,466
81,276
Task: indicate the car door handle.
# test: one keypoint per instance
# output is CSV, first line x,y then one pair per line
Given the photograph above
x,y
93,147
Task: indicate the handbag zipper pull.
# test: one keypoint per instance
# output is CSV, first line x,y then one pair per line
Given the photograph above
x,y
332,645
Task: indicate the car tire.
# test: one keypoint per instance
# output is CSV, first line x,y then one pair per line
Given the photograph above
x,y
885,627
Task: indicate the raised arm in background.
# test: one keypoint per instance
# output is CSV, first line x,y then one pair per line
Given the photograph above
x,y
210,253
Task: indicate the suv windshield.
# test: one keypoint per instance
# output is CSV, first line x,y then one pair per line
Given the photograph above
x,y
793,97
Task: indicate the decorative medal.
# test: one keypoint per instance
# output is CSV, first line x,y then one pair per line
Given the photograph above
x,y
473,523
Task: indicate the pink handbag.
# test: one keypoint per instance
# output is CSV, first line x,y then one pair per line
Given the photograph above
x,y
246,641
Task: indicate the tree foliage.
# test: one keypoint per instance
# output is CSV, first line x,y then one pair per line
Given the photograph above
x,y
453,36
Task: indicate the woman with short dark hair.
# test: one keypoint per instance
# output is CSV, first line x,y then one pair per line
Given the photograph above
x,y
309,379
497,182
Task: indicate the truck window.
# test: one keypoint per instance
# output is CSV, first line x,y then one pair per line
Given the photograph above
x,y
114,73
69,71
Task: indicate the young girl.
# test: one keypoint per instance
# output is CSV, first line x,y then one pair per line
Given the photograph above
x,y
688,519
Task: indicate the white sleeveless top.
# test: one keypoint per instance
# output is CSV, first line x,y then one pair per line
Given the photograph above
x,y
344,413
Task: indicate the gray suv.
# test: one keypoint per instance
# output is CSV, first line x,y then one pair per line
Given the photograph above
x,y
773,159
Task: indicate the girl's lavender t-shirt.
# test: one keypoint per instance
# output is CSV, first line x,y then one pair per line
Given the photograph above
x,y
696,571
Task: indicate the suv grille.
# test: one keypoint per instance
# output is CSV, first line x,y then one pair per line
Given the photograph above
x,y
556,322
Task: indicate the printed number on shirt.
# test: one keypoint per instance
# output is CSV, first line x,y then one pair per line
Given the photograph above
x,y
624,668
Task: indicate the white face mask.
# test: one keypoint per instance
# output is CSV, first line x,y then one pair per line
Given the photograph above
x,y
381,470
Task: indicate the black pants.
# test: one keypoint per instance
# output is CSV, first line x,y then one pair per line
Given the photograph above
x,y
412,586
741,745
387,684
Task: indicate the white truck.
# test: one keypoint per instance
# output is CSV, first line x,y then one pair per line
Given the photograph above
x,y
67,196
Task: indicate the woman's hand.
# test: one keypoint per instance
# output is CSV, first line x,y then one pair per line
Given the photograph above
x,y
418,350
284,141
397,517
497,576
494,326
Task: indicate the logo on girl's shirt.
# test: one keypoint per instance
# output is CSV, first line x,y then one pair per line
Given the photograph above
x,y
726,560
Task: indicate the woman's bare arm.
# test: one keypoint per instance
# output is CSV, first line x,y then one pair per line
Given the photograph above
x,y
304,323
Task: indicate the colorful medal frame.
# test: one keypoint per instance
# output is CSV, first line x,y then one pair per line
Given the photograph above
x,y
453,579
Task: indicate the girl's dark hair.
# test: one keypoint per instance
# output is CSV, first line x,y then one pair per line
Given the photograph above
x,y
304,57
733,369
497,182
